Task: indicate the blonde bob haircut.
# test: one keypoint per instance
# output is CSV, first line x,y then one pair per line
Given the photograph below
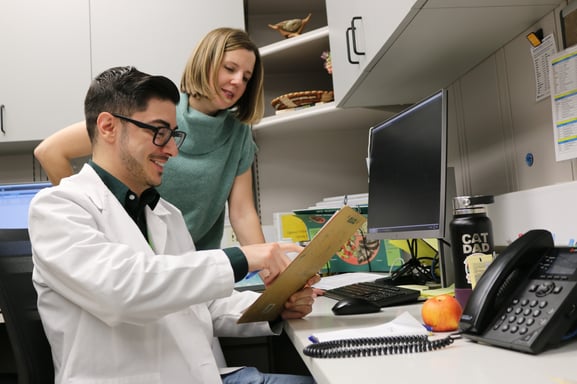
x,y
206,60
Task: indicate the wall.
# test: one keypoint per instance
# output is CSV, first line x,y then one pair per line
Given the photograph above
x,y
550,207
495,121
19,167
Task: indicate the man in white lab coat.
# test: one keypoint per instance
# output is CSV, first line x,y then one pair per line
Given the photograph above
x,y
122,293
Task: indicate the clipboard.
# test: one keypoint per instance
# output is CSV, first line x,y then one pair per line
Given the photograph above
x,y
329,240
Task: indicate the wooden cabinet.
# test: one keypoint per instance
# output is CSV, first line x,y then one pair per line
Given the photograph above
x,y
155,36
315,152
44,70
412,52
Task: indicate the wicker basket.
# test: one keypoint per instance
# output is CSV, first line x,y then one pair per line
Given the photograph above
x,y
298,99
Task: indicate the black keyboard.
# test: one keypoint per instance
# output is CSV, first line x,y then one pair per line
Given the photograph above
x,y
382,295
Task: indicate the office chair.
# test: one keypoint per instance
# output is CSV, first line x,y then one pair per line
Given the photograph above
x,y
18,303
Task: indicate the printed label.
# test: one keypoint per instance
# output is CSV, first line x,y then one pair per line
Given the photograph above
x,y
475,243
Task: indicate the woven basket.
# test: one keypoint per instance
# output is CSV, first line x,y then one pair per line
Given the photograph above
x,y
298,99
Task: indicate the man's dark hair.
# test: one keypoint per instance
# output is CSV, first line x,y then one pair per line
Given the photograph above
x,y
124,90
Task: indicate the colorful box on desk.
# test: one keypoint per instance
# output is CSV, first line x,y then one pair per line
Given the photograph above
x,y
358,254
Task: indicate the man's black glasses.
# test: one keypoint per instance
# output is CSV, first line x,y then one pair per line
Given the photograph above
x,y
161,136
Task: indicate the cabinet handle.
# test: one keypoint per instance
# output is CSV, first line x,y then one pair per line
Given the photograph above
x,y
2,118
349,29
353,29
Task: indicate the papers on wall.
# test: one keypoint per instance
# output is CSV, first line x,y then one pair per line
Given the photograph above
x,y
563,81
541,57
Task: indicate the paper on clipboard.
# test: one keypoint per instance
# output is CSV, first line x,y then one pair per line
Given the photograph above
x,y
336,231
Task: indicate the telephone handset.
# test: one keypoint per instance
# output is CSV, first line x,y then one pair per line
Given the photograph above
x,y
527,298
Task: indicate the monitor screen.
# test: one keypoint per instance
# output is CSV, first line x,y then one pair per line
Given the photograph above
x,y
407,172
14,202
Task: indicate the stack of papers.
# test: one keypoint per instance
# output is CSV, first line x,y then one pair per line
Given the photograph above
x,y
340,280
438,291
403,325
354,200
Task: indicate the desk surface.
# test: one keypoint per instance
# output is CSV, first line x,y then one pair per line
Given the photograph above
x,y
462,362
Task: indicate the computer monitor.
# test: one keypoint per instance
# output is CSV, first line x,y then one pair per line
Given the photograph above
x,y
407,157
407,172
14,202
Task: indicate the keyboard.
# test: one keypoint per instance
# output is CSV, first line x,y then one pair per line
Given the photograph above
x,y
382,295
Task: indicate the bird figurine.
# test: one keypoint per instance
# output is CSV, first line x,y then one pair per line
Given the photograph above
x,y
292,27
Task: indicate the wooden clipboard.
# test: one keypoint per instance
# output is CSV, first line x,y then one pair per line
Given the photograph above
x,y
329,240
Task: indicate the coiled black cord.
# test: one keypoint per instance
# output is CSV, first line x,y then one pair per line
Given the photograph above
x,y
376,346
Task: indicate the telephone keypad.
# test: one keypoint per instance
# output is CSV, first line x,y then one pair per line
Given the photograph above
x,y
525,312
542,305
558,289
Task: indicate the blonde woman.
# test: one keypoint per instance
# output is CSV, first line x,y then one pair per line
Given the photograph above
x,y
221,96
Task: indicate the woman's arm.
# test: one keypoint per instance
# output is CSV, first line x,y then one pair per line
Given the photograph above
x,y
57,151
242,212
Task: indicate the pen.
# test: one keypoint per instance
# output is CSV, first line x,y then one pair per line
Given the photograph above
x,y
251,274
313,339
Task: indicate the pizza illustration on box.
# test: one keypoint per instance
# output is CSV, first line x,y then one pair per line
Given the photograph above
x,y
358,250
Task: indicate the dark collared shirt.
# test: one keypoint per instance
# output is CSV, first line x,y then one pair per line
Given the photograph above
x,y
135,208
133,205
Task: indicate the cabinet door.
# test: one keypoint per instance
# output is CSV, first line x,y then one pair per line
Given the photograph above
x,y
155,36
347,65
44,66
357,31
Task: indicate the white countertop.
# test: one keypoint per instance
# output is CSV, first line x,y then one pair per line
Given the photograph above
x,y
462,362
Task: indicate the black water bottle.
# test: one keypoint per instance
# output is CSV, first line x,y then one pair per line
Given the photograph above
x,y
471,233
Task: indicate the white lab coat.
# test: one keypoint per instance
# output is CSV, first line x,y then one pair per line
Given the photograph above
x,y
116,310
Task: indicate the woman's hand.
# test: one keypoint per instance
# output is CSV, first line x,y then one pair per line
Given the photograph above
x,y
270,259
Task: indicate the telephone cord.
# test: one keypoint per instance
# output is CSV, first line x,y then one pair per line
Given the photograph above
x,y
376,346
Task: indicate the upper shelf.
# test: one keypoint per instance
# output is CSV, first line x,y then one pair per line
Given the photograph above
x,y
261,13
323,117
268,7
296,54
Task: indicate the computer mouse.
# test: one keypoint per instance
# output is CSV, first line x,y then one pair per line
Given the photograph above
x,y
354,306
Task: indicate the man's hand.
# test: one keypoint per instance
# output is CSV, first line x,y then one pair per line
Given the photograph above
x,y
301,302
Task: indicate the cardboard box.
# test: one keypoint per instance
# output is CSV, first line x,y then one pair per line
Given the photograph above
x,y
358,254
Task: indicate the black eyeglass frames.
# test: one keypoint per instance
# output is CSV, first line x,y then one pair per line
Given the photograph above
x,y
161,136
